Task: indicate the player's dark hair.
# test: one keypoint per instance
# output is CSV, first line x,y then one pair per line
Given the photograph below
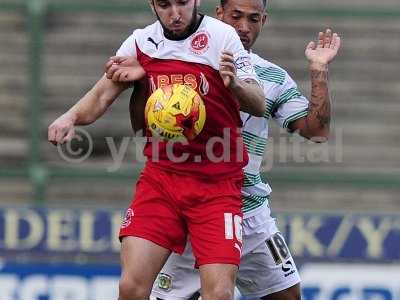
x,y
224,2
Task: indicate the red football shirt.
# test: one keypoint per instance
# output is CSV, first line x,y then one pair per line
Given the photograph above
x,y
218,150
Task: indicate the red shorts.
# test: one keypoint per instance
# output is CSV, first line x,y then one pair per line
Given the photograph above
x,y
167,206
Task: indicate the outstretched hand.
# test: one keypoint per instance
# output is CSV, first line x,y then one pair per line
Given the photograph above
x,y
124,69
325,49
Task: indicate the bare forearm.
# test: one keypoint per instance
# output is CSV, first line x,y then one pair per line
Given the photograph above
x,y
317,122
250,97
319,116
319,54
95,103
88,109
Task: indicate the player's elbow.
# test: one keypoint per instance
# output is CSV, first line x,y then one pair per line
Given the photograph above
x,y
253,109
256,107
259,104
259,108
320,137
317,134
253,102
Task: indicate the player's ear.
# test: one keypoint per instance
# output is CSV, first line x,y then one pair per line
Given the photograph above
x,y
264,19
219,11
151,3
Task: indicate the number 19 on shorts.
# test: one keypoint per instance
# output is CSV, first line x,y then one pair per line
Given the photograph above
x,y
233,227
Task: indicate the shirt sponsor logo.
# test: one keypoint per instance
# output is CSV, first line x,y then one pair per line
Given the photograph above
x,y
165,80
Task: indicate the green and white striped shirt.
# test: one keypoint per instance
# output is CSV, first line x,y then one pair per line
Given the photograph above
x,y
285,104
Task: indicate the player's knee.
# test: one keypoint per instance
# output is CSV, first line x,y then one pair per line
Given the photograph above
x,y
296,296
295,293
130,289
292,293
219,293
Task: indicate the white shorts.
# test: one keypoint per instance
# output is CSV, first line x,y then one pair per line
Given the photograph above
x,y
266,265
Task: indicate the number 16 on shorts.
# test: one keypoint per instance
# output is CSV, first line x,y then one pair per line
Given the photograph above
x,y
233,229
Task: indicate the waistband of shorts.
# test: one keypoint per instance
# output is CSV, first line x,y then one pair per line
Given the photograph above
x,y
237,175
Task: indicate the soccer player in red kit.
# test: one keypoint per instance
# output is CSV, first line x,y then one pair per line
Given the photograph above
x,y
200,194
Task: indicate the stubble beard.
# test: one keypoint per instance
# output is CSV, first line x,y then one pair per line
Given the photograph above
x,y
193,22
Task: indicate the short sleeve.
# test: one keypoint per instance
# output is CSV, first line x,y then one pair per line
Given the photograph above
x,y
290,105
128,47
243,64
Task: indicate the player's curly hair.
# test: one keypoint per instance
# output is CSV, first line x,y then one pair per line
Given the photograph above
x,y
223,3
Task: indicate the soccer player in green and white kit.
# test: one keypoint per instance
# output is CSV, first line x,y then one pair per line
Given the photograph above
x,y
267,270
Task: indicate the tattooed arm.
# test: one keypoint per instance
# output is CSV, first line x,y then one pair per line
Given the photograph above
x,y
316,124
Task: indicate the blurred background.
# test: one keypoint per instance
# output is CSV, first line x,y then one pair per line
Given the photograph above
x,y
60,209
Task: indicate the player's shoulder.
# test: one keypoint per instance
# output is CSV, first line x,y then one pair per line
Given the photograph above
x,y
217,27
264,62
151,30
268,71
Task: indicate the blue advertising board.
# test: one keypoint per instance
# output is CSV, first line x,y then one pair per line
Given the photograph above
x,y
88,282
58,282
59,230
361,237
323,281
368,245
